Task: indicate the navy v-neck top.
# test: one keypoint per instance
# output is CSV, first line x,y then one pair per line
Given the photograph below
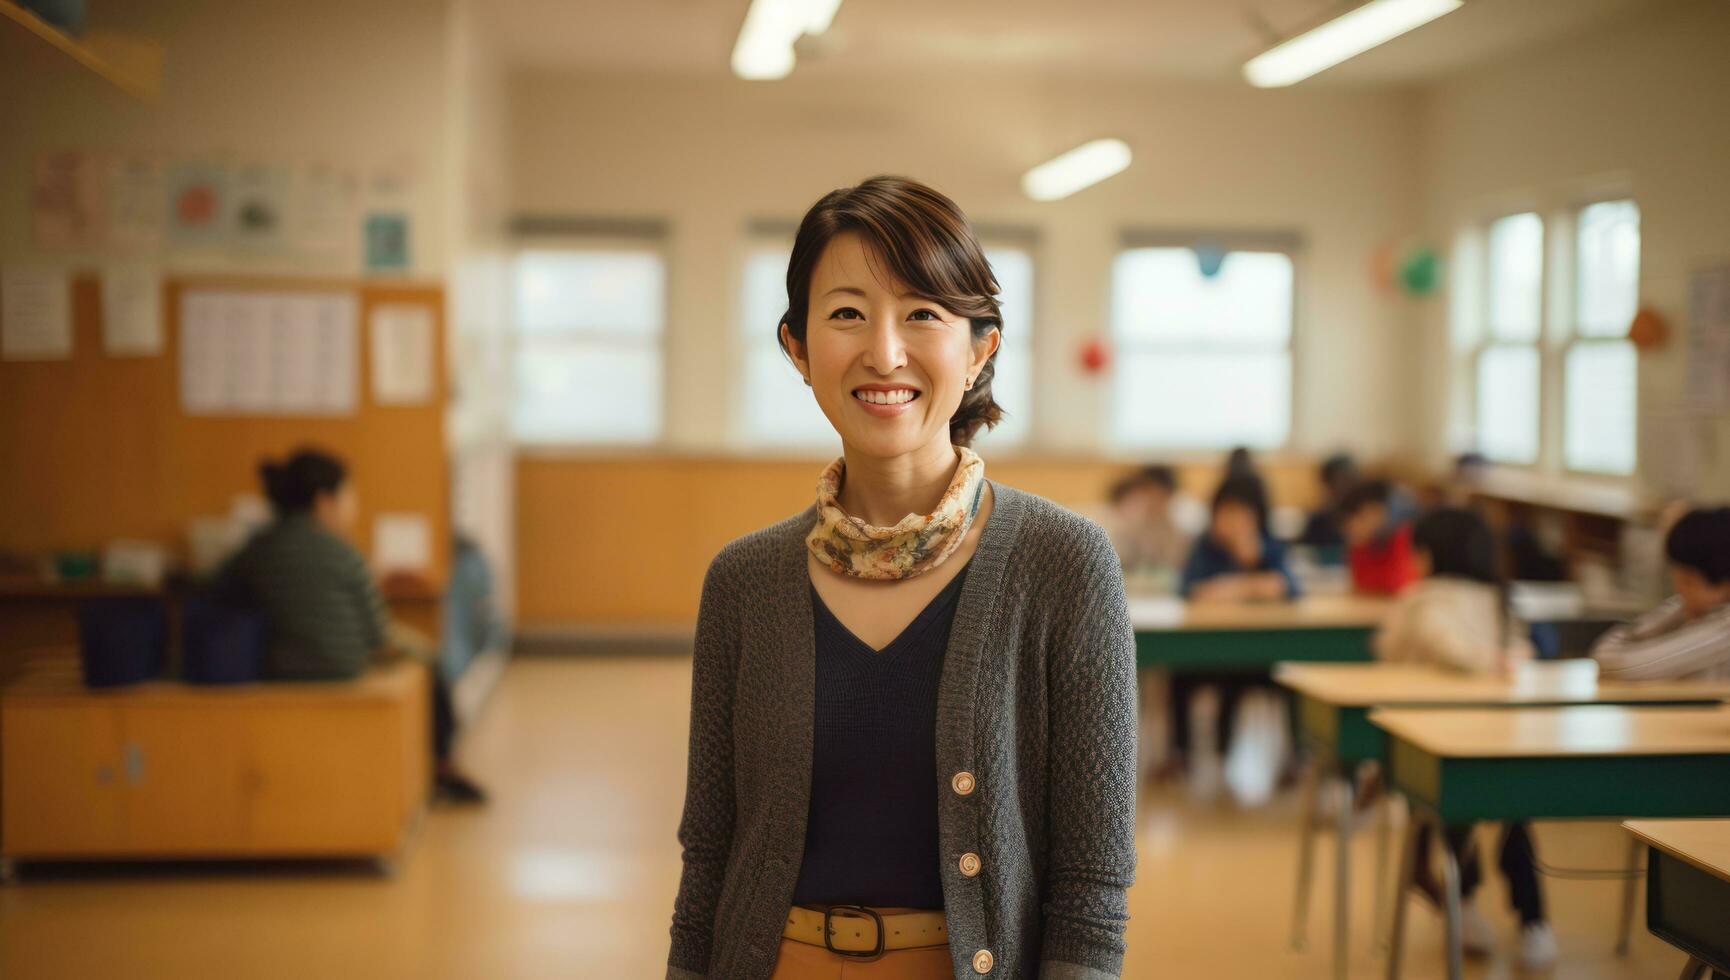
x,y
871,838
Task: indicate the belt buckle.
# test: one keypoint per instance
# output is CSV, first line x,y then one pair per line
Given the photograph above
x,y
864,912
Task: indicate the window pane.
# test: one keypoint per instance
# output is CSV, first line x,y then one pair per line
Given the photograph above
x,y
779,409
1508,404
1516,276
1012,385
1174,399
1600,385
1161,294
1608,276
587,393
619,291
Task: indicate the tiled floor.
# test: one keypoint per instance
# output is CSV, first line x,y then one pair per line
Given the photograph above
x,y
571,871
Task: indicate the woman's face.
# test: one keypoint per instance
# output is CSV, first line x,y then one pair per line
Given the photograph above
x,y
338,510
888,367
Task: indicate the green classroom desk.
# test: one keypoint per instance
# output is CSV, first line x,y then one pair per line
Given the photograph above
x,y
1457,766
1334,703
1230,636
1688,889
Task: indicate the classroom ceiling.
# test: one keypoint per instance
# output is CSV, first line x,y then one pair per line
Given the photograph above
x,y
1193,39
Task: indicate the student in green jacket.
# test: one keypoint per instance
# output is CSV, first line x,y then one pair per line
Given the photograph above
x,y
326,618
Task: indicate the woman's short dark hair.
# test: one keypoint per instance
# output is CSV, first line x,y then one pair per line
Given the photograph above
x,y
1153,475
294,484
1701,541
1364,494
926,242
1460,543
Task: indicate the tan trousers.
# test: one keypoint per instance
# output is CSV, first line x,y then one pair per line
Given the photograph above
x,y
800,961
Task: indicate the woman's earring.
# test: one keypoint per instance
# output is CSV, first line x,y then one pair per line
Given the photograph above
x,y
968,384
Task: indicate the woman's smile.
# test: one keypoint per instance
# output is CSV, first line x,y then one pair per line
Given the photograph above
x,y
885,400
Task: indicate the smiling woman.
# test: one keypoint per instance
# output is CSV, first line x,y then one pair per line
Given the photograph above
x,y
913,704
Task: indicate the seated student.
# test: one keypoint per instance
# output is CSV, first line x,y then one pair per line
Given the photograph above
x,y
325,616
1378,536
1322,531
1235,560
1458,617
1688,635
1149,543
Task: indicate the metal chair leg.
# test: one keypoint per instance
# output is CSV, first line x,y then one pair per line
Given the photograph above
x,y
1384,840
1313,776
1692,969
1402,886
1451,908
1629,888
1343,878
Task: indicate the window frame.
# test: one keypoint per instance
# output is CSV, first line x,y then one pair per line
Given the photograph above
x,y
1484,339
1568,334
588,236
1289,244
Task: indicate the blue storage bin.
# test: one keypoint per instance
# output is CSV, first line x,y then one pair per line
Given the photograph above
x,y
223,644
121,639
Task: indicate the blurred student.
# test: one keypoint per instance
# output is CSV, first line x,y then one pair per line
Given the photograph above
x,y
1687,637
1378,533
1144,530
1322,531
1525,556
1240,466
325,615
1458,617
1236,560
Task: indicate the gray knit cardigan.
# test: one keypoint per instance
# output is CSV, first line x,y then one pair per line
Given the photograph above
x,y
1037,701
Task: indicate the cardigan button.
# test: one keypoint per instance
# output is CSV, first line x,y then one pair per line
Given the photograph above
x,y
963,783
982,961
969,864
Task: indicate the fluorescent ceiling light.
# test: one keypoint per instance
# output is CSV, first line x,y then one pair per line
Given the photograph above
x,y
1346,36
764,50
1084,166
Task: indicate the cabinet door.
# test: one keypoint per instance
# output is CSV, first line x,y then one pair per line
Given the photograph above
x,y
59,779
325,778
180,766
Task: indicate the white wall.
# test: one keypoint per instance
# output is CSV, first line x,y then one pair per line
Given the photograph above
x,y
361,86
1641,105
1335,166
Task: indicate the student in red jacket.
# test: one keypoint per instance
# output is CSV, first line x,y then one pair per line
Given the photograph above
x,y
1378,532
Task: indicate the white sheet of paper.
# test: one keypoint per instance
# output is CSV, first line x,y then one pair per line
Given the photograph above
x,y
401,543
131,311
35,313
402,354
1708,378
268,353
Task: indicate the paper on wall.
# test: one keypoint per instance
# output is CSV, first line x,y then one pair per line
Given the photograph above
x,y
131,311
268,353
402,353
1708,380
35,313
401,543
66,201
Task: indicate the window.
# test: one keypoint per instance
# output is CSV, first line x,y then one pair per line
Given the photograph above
x,y
1508,361
1203,341
1012,382
589,321
1599,364
779,411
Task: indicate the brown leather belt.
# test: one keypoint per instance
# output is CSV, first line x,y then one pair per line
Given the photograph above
x,y
854,930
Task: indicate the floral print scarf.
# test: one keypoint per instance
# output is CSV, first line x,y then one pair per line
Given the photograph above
x,y
919,543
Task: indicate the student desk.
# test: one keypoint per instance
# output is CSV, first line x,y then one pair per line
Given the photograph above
x,y
1688,889
1457,766
1333,706
1228,636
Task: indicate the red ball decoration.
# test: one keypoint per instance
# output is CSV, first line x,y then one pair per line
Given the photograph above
x,y
1095,356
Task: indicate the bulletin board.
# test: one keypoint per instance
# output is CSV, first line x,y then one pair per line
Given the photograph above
x,y
98,447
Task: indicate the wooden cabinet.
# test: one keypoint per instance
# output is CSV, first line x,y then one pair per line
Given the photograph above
x,y
166,770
